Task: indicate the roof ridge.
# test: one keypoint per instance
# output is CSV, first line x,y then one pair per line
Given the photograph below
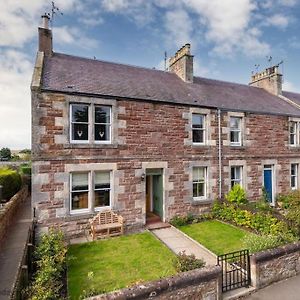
x,y
114,63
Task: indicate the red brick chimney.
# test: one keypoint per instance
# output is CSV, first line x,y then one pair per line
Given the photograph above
x,y
182,63
269,79
45,36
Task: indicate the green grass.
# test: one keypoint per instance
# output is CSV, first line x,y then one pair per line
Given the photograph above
x,y
216,236
117,263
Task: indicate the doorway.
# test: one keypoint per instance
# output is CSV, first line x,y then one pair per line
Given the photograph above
x,y
269,183
154,194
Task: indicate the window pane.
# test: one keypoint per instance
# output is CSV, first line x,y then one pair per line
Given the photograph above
x,y
238,173
198,136
102,132
102,114
102,198
80,113
198,189
292,127
79,200
102,180
198,121
80,181
80,132
293,181
198,173
235,123
234,136
292,139
293,169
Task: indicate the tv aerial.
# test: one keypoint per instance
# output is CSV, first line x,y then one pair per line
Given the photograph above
x,y
54,11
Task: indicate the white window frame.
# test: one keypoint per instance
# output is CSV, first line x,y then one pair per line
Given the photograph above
x,y
110,124
91,190
91,124
204,129
71,124
296,128
84,210
239,130
294,176
99,208
236,180
204,197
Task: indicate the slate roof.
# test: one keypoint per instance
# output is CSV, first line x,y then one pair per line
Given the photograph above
x,y
292,96
71,74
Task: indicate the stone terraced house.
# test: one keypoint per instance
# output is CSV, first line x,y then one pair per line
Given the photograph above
x,y
145,142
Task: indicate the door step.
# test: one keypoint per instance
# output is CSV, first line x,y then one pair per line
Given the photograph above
x,y
157,225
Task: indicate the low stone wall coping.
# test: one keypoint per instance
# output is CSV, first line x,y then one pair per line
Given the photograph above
x,y
155,288
277,252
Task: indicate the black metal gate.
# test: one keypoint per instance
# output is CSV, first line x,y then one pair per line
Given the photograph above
x,y
235,270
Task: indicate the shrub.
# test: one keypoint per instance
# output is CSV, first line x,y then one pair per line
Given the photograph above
x,y
185,262
237,195
50,262
10,181
25,169
256,243
178,221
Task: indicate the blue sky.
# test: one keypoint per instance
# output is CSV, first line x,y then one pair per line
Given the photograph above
x,y
228,38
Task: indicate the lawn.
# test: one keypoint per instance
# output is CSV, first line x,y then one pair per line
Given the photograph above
x,y
117,262
216,236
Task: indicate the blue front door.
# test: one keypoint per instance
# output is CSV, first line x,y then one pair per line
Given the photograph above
x,y
268,183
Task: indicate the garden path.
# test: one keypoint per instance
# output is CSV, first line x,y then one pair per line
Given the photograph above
x,y
177,241
11,251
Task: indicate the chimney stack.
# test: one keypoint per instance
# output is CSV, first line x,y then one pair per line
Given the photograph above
x,y
45,36
270,79
182,64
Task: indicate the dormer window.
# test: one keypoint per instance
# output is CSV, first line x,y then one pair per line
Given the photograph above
x,y
90,123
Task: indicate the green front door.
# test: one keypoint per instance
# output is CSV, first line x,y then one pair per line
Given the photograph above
x,y
157,192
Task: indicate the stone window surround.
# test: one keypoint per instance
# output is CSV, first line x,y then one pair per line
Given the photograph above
x,y
92,102
237,163
297,162
297,120
207,165
243,131
208,130
91,168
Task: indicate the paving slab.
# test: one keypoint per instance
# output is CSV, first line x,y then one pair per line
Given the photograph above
x,y
178,242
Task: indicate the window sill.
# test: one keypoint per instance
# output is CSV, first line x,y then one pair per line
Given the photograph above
x,y
201,202
236,147
90,146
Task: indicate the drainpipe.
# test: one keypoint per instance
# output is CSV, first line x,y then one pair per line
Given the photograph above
x,y
220,153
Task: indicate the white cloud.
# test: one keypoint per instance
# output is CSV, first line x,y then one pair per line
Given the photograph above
x,y
179,26
15,76
278,20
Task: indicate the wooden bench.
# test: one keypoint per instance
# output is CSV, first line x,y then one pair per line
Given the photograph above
x,y
105,224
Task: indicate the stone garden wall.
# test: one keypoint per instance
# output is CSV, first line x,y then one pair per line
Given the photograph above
x,y
274,265
197,284
8,212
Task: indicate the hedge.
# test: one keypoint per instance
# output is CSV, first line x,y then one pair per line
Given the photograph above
x,y
11,182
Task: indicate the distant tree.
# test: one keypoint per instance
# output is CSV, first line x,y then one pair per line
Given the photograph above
x,y
5,154
25,151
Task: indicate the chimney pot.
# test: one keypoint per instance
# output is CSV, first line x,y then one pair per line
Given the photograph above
x,y
45,21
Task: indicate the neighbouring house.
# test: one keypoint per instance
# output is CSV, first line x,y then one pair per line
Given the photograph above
x,y
141,141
